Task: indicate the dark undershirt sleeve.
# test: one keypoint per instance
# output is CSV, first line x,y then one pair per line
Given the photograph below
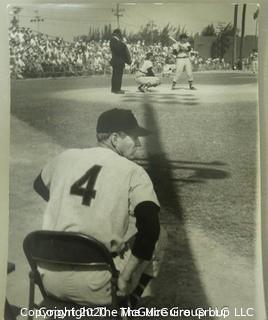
x,y
150,72
41,188
148,226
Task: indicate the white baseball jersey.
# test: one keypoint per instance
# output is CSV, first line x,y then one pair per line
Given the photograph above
x,y
147,64
254,56
95,191
182,49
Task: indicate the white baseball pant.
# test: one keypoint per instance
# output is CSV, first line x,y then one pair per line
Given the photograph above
x,y
151,81
182,63
94,287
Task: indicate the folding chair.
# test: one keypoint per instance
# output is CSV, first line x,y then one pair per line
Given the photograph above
x,y
9,314
66,249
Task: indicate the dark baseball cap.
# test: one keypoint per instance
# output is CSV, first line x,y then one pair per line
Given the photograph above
x,y
117,32
116,120
183,36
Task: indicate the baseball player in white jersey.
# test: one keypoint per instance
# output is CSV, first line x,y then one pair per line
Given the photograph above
x,y
181,49
254,60
145,75
100,192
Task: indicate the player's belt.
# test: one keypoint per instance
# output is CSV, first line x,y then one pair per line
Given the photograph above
x,y
114,254
127,246
141,75
182,57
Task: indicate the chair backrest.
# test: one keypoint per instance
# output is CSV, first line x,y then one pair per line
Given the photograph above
x,y
66,248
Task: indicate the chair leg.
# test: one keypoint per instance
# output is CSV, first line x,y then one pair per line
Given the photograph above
x,y
9,314
31,293
113,291
115,303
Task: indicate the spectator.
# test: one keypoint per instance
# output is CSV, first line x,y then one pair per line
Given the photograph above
x,y
35,54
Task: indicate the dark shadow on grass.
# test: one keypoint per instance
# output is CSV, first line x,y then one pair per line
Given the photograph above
x,y
202,171
185,94
200,174
185,162
54,116
163,172
159,95
168,102
180,88
179,281
160,98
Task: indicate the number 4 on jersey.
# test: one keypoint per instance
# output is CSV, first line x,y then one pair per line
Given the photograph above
x,y
87,193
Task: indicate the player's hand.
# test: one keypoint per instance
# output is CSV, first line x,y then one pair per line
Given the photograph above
x,y
124,287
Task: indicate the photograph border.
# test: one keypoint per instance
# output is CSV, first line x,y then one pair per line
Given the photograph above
x,y
262,180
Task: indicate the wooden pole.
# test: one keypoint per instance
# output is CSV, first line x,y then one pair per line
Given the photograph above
x,y
242,36
235,36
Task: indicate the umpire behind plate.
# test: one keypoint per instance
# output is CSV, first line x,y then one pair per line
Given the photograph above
x,y
120,57
100,192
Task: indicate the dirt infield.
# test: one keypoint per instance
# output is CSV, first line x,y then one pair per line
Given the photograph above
x,y
201,157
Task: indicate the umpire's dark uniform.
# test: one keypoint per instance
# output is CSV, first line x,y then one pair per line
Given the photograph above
x,y
120,56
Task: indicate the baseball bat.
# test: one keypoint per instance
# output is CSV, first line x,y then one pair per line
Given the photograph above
x,y
173,39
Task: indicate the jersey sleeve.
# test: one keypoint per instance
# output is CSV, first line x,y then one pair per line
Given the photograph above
x,y
149,65
47,171
188,46
146,64
141,188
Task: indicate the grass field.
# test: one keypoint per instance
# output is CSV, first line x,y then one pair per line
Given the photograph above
x,y
201,157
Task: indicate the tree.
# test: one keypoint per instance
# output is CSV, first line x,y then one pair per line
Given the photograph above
x,y
178,31
222,42
124,33
133,37
148,33
164,35
209,30
15,19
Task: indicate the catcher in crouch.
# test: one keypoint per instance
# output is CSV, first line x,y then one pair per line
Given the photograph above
x,y
145,75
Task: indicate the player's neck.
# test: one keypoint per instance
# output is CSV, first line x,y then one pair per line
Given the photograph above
x,y
117,38
107,145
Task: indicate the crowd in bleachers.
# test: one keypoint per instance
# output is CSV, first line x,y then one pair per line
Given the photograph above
x,y
34,54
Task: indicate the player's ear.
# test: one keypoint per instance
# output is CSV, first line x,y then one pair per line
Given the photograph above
x,y
114,138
